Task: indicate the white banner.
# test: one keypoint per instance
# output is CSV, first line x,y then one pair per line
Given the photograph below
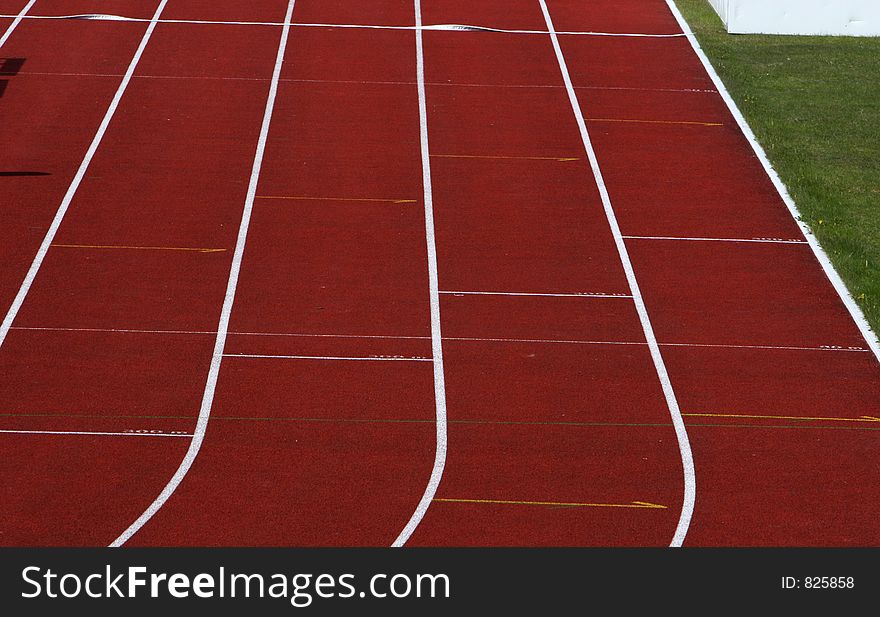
x,y
835,17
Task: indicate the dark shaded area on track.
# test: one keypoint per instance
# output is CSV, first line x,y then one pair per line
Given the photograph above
x,y
9,67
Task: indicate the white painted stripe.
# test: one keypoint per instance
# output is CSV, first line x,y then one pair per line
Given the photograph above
x,y
361,358
746,240
440,27
546,295
77,180
852,306
671,400
94,433
434,291
15,21
226,312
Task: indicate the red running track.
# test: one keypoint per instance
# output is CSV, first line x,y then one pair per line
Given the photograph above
x,y
324,422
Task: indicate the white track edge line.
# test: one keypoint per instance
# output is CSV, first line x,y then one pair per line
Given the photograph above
x,y
846,297
229,299
16,21
434,290
77,180
689,497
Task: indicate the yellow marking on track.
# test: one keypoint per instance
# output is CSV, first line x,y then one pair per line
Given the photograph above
x,y
138,248
798,418
654,121
557,504
560,159
365,199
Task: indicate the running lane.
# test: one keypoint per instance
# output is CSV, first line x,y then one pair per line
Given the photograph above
x,y
56,81
779,389
114,339
559,433
322,429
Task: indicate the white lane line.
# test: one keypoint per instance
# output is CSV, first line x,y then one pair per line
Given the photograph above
x,y
848,348
545,295
95,433
438,27
77,180
223,328
434,291
852,306
745,240
357,358
15,22
684,445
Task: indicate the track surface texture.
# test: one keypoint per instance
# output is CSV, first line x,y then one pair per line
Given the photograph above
x,y
307,273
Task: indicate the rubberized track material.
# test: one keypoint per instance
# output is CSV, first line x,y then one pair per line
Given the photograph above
x,y
402,272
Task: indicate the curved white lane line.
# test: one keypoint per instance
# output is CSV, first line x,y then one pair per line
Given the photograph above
x,y
77,180
684,445
852,306
434,289
220,342
21,15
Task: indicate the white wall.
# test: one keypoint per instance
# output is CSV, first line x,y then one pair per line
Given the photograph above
x,y
720,8
840,17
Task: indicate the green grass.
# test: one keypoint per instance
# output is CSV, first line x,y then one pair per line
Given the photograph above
x,y
814,104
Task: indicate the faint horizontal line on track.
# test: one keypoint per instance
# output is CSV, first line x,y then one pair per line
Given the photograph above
x,y
546,295
560,159
746,240
477,339
111,330
872,419
772,347
94,433
556,504
446,338
357,358
640,121
139,248
366,82
866,425
364,199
